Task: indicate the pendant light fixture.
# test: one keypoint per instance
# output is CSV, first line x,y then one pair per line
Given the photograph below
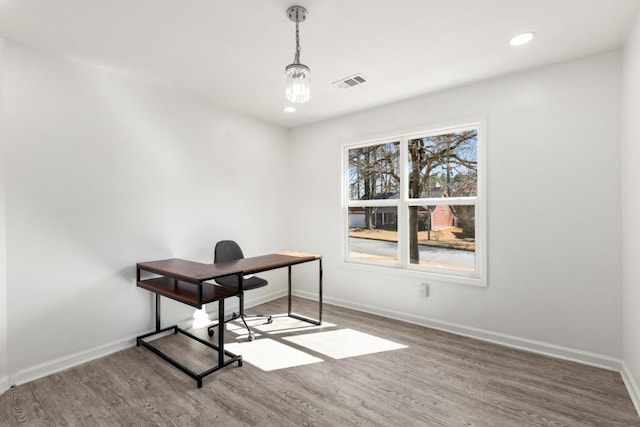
x,y
297,75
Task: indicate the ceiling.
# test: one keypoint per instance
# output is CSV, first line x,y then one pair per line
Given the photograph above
x,y
234,52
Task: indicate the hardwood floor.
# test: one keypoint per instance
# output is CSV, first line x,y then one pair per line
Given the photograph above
x,y
439,379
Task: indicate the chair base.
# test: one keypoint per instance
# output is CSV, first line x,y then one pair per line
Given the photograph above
x,y
235,316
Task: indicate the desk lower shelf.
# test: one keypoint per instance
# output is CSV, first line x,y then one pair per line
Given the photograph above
x,y
186,292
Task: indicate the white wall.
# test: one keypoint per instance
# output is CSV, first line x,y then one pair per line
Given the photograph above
x,y
554,226
4,366
631,212
103,172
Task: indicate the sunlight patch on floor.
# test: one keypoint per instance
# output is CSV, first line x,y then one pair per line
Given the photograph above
x,y
344,343
281,324
270,355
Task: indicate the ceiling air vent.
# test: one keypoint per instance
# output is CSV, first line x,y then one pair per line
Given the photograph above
x,y
351,81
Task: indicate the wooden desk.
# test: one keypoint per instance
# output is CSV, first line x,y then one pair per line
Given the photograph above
x,y
185,281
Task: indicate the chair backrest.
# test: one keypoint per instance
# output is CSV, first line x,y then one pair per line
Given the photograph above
x,y
227,250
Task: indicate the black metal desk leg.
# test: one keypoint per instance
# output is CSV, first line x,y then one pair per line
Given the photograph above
x,y
303,318
157,312
221,329
320,290
289,309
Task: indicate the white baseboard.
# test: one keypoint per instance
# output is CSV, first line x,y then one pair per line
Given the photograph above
x,y
66,362
249,301
566,353
552,350
4,384
632,386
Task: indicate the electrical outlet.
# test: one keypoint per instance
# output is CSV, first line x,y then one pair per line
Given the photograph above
x,y
424,290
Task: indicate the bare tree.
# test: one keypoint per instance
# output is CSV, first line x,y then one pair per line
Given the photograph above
x,y
448,160
455,154
374,174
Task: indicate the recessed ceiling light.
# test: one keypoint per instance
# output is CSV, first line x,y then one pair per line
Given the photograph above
x,y
521,39
289,109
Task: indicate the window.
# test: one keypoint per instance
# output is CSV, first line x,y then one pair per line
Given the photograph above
x,y
414,202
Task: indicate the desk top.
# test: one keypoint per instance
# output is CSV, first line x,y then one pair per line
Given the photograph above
x,y
197,272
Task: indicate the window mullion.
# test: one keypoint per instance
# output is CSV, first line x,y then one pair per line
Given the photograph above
x,y
443,201
403,246
372,203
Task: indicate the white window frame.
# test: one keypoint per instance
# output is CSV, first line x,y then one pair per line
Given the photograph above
x,y
403,266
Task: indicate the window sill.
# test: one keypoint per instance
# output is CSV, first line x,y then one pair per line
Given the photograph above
x,y
420,274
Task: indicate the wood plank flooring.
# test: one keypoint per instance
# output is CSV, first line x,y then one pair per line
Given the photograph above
x,y
440,379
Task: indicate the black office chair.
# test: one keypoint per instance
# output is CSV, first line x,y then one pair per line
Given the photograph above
x,y
228,250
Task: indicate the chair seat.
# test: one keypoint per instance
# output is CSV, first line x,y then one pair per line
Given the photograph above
x,y
247,284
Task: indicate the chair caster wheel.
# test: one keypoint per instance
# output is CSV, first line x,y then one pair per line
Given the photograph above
x,y
235,315
210,332
269,321
251,337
